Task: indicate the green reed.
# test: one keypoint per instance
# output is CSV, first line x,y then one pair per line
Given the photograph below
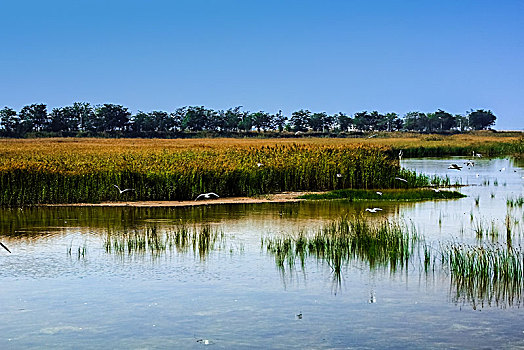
x,y
411,194
491,274
154,242
385,244
182,175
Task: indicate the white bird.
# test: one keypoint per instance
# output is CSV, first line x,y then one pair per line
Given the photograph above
x,y
260,164
374,135
478,155
125,190
436,190
379,193
339,175
400,154
401,179
374,210
210,195
454,166
5,247
503,169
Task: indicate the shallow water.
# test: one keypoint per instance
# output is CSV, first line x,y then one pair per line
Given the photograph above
x,y
61,288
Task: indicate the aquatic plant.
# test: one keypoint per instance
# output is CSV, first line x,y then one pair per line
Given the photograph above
x,y
385,244
149,240
82,175
387,194
489,274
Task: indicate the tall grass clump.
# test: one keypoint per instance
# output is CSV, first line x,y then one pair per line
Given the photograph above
x,y
489,274
387,244
39,173
155,243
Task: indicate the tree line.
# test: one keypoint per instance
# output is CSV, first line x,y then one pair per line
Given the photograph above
x,y
82,118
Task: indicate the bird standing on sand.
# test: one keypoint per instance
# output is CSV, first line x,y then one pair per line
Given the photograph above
x,y
210,195
5,247
125,190
374,210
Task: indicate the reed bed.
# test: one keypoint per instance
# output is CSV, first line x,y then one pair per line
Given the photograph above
x,y
412,194
61,174
491,274
151,241
387,244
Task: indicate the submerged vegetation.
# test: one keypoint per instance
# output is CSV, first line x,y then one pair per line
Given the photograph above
x,y
412,194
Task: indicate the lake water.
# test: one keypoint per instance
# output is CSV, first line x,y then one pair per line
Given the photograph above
x,y
62,289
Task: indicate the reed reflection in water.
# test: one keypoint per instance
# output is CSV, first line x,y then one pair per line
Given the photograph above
x,y
150,240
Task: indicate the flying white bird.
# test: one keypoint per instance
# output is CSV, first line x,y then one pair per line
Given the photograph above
x,y
125,190
260,164
379,193
401,179
5,247
210,195
374,210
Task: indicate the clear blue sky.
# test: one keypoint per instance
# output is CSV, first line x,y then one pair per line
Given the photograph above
x,y
349,56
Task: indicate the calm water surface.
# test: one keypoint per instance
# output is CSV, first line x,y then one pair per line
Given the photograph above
x,y
61,289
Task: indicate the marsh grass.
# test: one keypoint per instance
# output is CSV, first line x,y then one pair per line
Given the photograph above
x,y
388,244
387,195
515,202
61,175
491,274
155,243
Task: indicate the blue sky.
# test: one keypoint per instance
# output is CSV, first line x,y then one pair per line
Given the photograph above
x,y
349,56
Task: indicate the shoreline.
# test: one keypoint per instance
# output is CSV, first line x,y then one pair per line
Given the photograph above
x,y
284,197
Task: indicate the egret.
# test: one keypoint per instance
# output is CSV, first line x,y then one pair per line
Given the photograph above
x,y
210,195
125,190
400,154
260,164
374,210
339,175
379,193
401,179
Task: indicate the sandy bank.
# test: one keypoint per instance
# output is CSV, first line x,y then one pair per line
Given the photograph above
x,y
285,197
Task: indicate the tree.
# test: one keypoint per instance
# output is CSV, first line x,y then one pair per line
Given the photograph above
x,y
415,121
481,119
261,120
300,120
279,121
33,117
142,122
317,121
195,119
461,121
9,121
368,121
112,117
63,119
445,120
344,121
